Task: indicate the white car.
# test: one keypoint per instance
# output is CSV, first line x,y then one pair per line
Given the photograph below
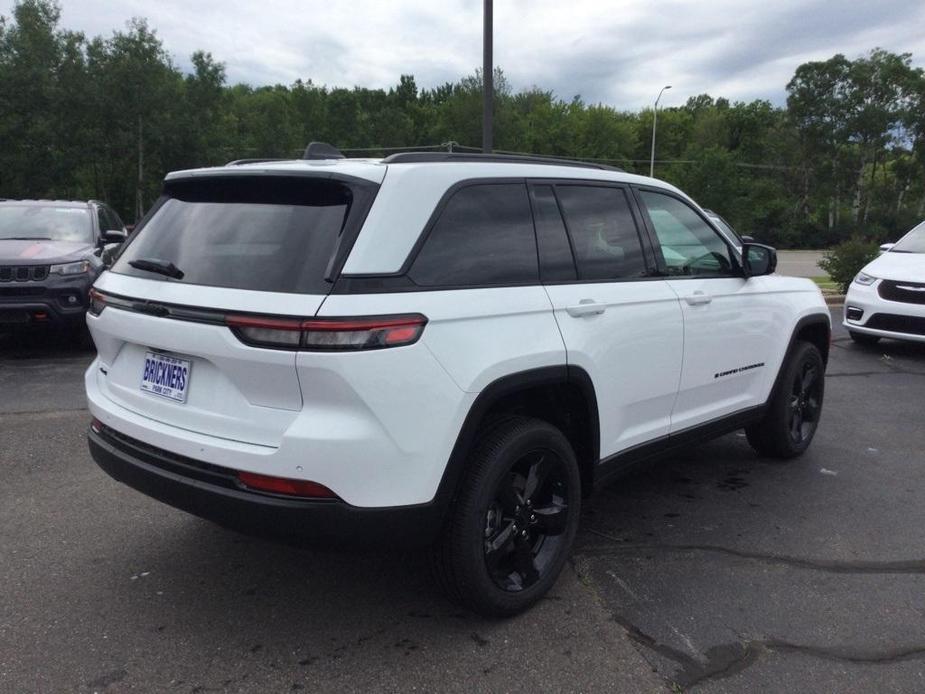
x,y
436,349
887,297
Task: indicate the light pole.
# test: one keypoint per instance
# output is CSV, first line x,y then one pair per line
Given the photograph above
x,y
654,119
488,88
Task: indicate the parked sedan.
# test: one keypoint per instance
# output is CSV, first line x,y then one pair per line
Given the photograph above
x,y
887,297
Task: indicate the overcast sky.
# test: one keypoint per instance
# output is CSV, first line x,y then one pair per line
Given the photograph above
x,y
619,53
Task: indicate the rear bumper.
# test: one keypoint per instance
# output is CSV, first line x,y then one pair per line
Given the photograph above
x,y
210,491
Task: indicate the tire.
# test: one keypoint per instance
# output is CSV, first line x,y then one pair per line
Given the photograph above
x,y
514,521
864,339
795,408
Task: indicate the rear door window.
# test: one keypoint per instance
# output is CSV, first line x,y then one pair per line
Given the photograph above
x,y
603,232
556,261
483,236
263,233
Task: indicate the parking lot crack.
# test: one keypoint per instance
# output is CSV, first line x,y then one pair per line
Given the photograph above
x,y
908,566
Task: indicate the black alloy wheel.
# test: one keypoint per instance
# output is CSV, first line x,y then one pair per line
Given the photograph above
x,y
513,523
526,519
795,407
805,402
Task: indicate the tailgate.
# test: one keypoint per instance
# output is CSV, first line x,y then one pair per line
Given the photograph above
x,y
234,391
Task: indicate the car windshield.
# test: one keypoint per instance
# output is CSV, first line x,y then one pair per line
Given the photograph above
x,y
37,222
913,242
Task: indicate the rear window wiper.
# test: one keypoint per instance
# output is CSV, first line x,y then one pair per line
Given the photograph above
x,y
26,238
161,267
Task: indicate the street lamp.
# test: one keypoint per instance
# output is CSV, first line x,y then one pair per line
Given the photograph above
x,y
654,118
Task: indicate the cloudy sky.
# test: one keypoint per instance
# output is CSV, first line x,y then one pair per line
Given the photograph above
x,y
618,53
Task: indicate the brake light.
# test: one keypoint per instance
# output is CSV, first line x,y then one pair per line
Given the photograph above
x,y
364,333
266,332
284,485
97,302
329,334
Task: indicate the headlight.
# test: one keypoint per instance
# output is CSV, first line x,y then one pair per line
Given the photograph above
x,y
865,279
78,268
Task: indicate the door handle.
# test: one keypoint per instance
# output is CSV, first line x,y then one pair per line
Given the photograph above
x,y
586,307
698,298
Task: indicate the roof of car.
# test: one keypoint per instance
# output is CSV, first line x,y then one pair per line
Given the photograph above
x,y
46,203
463,167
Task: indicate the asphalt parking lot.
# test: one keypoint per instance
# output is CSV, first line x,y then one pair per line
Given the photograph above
x,y
711,571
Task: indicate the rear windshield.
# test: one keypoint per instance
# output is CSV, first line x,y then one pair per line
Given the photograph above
x,y
45,223
265,233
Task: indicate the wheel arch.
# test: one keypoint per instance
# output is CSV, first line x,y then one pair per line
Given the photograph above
x,y
561,395
816,328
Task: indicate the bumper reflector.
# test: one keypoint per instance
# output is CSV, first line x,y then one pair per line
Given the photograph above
x,y
283,485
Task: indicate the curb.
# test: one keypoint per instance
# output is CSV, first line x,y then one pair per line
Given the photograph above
x,y
835,299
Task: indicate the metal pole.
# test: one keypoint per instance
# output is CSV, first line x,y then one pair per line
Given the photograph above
x,y
654,120
488,87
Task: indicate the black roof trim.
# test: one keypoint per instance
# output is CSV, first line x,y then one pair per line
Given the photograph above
x,y
428,157
239,162
322,150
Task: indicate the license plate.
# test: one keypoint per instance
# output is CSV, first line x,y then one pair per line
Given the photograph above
x,y
166,376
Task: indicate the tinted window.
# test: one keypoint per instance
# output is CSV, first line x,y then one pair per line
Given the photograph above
x,y
108,220
36,222
483,236
114,219
603,232
262,233
556,262
690,246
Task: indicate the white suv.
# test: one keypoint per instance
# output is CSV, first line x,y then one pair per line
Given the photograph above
x,y
436,349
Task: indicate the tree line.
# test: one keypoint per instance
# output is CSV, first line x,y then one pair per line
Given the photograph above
x,y
107,117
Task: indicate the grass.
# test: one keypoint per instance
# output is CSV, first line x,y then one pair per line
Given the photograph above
x,y
826,282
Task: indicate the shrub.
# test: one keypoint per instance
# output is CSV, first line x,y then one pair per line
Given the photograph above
x,y
844,261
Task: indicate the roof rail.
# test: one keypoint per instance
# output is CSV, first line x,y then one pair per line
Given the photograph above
x,y
426,157
322,150
239,162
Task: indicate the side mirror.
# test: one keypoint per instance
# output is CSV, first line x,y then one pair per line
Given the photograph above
x,y
108,237
884,247
758,259
748,239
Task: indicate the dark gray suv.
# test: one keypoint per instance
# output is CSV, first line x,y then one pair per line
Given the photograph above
x,y
51,251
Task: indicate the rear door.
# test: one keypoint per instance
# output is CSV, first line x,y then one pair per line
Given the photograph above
x,y
620,323
252,246
729,331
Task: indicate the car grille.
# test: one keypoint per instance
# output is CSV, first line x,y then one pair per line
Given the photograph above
x,y
23,273
911,325
18,291
906,292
